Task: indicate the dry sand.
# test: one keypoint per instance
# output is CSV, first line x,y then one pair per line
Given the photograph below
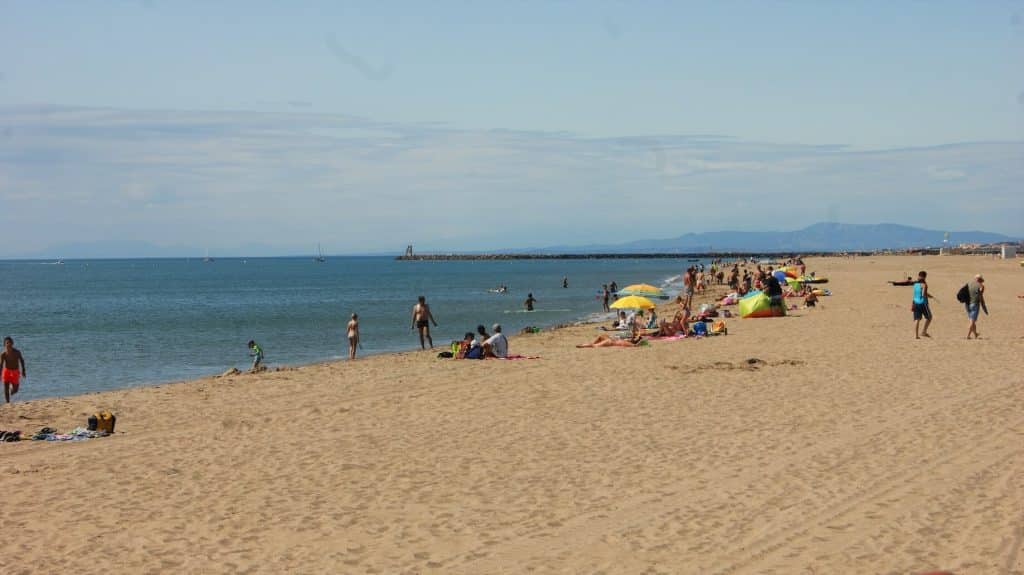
x,y
853,448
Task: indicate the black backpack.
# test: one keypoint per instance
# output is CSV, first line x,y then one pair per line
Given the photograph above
x,y
964,295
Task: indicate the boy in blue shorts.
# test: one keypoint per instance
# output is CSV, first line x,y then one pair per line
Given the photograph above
x,y
920,305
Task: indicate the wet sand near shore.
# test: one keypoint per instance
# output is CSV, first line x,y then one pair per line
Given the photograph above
x,y
849,446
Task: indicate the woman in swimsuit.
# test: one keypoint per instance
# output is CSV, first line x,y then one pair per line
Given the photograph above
x,y
353,336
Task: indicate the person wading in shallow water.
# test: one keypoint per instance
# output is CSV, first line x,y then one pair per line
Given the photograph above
x,y
421,320
12,367
530,300
353,336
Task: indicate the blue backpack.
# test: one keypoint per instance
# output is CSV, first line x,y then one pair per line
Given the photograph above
x,y
700,328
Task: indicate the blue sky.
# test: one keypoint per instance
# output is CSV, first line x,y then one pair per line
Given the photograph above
x,y
367,126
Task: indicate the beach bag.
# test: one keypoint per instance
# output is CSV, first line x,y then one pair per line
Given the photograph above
x,y
719,328
700,328
102,421
964,295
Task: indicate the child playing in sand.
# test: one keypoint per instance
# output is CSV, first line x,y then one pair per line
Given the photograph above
x,y
255,352
12,368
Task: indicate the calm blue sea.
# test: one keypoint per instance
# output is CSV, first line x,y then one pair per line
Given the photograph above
x,y
91,325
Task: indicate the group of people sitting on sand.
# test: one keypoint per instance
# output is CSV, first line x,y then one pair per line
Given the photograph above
x,y
481,344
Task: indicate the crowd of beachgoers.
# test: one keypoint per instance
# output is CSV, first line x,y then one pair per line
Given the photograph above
x,y
636,319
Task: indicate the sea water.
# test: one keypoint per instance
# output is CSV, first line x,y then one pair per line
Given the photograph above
x,y
92,325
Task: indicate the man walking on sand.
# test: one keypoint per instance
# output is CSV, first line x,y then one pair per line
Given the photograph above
x,y
976,288
920,305
12,368
421,320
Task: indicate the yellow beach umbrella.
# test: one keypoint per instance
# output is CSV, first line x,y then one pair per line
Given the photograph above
x,y
633,302
638,289
645,290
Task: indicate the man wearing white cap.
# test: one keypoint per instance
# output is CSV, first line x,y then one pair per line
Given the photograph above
x,y
497,344
976,302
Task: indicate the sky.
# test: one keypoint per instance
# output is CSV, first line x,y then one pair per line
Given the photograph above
x,y
474,125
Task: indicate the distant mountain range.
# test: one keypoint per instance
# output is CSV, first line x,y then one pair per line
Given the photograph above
x,y
821,237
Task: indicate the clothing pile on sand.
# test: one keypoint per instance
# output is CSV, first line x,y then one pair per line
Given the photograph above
x,y
76,434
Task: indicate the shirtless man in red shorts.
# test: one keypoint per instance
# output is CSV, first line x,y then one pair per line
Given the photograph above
x,y
10,361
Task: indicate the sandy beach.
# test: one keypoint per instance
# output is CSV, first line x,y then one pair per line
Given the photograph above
x,y
850,447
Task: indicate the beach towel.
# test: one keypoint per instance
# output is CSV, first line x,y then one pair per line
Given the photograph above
x,y
518,357
77,434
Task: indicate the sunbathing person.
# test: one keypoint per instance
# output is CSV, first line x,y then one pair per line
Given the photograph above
x,y
667,329
606,341
675,326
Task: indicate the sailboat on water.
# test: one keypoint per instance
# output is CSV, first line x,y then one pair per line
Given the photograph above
x,y
207,258
319,255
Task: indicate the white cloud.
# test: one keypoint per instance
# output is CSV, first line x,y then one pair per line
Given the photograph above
x,y
222,178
